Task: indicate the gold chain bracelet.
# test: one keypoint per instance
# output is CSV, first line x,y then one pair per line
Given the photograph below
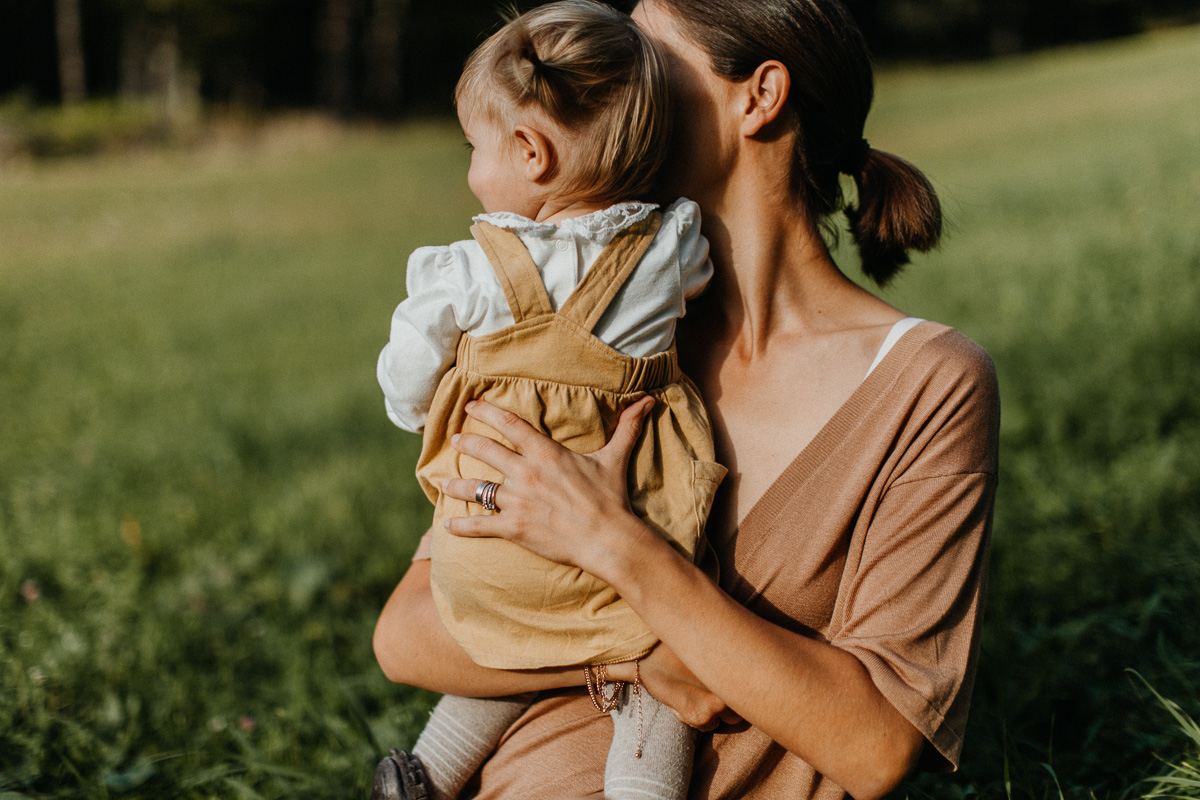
x,y
598,686
606,695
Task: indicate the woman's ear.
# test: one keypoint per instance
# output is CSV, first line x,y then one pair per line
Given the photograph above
x,y
766,96
535,152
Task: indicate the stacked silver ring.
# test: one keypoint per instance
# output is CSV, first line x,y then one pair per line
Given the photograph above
x,y
485,495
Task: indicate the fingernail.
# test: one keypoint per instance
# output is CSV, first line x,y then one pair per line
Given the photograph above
x,y
454,438
446,524
470,404
446,485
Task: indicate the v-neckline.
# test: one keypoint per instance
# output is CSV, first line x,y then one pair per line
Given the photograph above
x,y
851,414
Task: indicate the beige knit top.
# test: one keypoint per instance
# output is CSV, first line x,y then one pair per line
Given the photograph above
x,y
875,539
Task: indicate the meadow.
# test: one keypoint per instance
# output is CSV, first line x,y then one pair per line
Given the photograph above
x,y
203,506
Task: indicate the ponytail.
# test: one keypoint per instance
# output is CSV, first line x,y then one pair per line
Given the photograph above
x,y
897,212
586,68
533,80
832,86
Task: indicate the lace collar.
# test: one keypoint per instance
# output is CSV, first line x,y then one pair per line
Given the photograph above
x,y
598,225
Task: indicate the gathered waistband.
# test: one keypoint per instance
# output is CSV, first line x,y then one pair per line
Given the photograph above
x,y
551,350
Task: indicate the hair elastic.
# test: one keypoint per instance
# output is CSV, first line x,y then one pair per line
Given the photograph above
x,y
854,158
529,53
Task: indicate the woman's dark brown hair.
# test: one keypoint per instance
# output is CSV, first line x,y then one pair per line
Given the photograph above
x,y
832,85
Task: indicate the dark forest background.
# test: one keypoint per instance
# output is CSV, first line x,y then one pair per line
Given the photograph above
x,y
387,58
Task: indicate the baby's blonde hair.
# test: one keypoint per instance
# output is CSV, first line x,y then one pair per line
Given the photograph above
x,y
590,71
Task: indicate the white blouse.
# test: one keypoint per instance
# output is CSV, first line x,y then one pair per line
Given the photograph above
x,y
453,290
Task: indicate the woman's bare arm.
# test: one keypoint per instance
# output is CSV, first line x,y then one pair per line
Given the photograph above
x,y
815,699
413,647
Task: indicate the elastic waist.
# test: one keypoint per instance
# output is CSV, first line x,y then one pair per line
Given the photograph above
x,y
650,373
566,358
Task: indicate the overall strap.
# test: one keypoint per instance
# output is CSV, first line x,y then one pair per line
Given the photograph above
x,y
600,285
518,275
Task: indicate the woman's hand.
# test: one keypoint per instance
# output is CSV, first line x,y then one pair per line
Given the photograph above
x,y
674,685
559,504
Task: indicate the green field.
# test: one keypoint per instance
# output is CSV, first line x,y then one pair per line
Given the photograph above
x,y
203,507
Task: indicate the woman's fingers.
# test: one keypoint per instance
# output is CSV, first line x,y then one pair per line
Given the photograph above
x,y
629,429
465,489
674,685
553,501
524,436
487,450
695,708
731,717
480,526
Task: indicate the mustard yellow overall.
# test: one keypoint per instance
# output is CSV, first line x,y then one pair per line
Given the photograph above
x,y
507,607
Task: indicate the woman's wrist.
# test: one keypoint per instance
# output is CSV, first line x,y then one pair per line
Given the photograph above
x,y
623,544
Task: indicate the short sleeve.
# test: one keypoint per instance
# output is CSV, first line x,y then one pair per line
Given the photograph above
x,y
442,302
695,266
912,604
913,618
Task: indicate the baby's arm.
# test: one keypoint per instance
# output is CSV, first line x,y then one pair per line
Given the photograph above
x,y
426,328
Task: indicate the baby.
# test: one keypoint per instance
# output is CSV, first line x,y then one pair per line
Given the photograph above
x,y
563,311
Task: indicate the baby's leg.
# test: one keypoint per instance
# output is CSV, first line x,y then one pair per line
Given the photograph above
x,y
462,732
667,748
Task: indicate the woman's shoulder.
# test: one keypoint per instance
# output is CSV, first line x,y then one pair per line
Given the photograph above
x,y
942,353
945,391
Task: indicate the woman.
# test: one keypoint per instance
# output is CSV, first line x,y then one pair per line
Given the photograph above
x,y
852,531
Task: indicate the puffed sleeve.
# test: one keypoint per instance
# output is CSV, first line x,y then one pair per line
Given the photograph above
x,y
425,331
913,599
695,267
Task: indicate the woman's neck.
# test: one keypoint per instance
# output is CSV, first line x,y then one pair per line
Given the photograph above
x,y
773,273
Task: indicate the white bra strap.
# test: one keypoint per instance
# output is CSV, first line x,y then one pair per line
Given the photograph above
x,y
899,329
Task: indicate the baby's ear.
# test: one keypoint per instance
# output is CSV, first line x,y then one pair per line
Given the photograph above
x,y
536,153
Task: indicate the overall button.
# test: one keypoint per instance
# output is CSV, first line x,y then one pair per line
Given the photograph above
x,y
561,245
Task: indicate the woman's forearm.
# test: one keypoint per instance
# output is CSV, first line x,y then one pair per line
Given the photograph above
x,y
815,699
413,647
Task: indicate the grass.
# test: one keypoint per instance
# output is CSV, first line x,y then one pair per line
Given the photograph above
x,y
203,507
1074,261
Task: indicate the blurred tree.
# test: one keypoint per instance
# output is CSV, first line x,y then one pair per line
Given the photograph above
x,y
335,37
382,49
387,57
68,29
69,32
152,63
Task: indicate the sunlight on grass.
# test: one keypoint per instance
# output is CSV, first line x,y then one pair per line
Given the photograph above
x,y
203,506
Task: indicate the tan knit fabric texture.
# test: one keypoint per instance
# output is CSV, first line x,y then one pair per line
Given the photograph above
x,y
874,539
507,607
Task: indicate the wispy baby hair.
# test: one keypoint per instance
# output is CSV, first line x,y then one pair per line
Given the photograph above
x,y
590,71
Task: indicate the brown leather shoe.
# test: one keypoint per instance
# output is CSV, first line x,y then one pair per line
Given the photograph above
x,y
400,776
